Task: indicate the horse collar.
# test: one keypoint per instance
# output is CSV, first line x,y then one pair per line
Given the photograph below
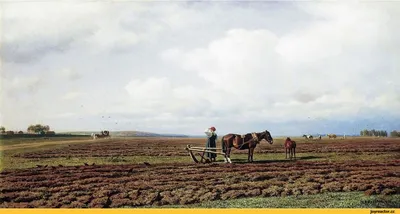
x,y
255,138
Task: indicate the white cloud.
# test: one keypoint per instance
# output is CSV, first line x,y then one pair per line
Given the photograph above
x,y
71,95
182,66
27,85
163,98
62,115
251,65
151,88
342,25
36,29
70,75
234,63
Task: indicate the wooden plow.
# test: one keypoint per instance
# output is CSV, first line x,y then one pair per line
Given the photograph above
x,y
202,152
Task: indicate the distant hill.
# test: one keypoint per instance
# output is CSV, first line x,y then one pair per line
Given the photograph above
x,y
324,135
129,134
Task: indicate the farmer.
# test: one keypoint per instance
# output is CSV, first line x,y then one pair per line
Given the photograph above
x,y
211,143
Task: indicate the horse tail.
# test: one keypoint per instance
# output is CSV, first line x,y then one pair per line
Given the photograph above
x,y
223,144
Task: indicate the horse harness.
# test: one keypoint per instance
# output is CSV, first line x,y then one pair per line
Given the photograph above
x,y
255,139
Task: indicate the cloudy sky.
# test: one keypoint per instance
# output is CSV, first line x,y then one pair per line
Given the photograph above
x,y
180,67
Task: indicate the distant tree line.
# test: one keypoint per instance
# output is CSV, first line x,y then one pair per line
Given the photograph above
x,y
32,129
38,129
373,132
395,133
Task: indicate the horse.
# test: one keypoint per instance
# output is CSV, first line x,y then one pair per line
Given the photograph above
x,y
104,134
308,136
331,136
290,146
241,142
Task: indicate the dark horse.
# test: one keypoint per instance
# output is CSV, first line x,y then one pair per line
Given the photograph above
x,y
104,134
290,146
308,136
241,142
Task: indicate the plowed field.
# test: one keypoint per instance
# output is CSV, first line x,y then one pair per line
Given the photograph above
x,y
139,184
142,184
175,147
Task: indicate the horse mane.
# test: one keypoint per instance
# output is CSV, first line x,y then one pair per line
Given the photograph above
x,y
262,134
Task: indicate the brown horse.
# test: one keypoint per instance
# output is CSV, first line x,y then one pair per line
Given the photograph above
x,y
290,146
241,142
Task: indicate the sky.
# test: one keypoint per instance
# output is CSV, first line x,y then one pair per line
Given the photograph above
x,y
289,67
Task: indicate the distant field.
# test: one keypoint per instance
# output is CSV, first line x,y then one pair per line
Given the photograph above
x,y
36,136
32,140
143,172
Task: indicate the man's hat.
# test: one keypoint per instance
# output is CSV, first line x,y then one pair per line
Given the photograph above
x,y
213,128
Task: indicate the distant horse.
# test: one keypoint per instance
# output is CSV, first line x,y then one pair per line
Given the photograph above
x,y
331,136
241,142
290,146
308,136
104,134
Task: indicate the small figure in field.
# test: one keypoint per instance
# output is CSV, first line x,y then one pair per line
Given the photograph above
x,y
290,146
211,143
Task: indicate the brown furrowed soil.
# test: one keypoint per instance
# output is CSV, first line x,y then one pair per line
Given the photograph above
x,y
175,147
140,184
129,147
143,184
